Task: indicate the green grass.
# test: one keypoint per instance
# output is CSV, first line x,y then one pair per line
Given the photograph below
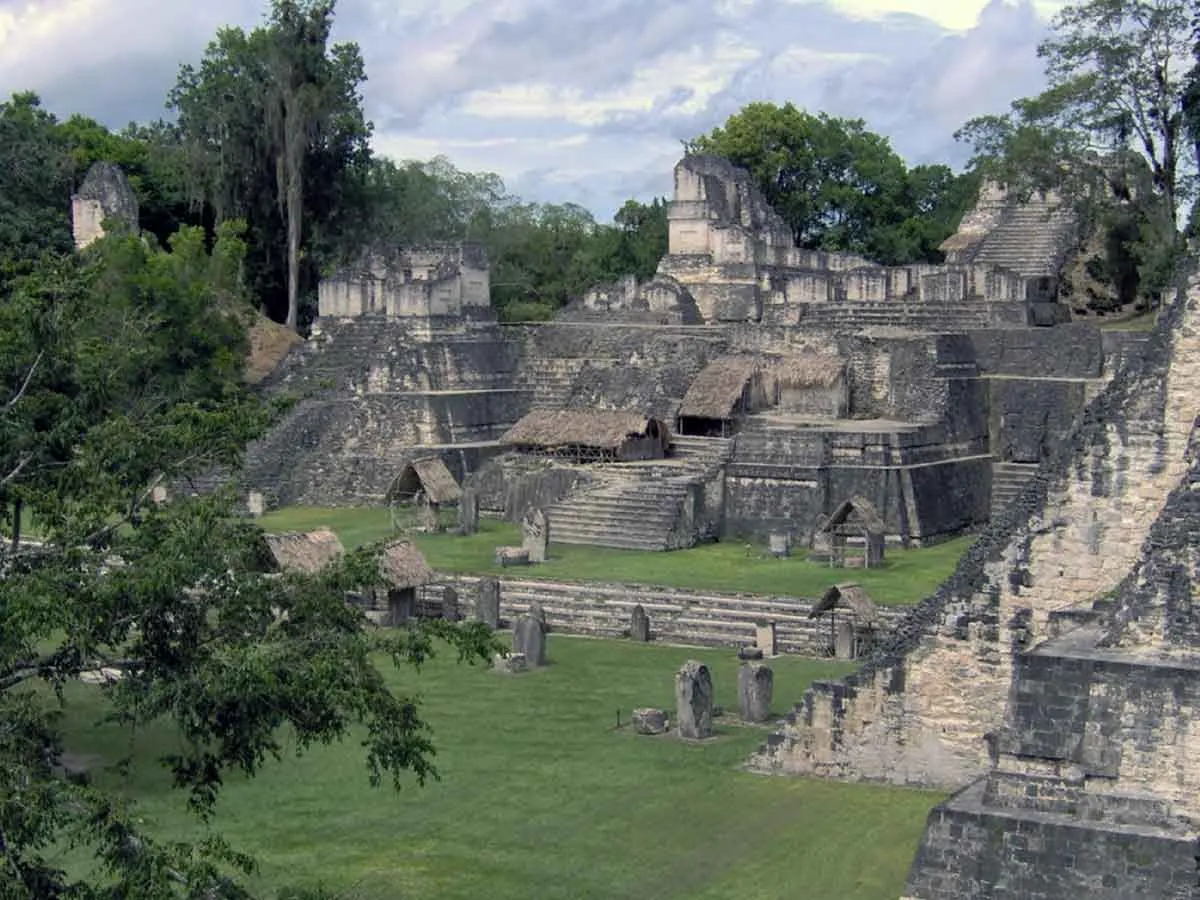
x,y
1141,322
542,797
907,576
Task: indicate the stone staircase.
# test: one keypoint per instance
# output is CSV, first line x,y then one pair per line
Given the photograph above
x,y
1008,480
1031,240
677,616
639,506
858,315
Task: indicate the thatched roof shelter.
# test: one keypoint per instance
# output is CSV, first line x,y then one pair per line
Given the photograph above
x,y
402,566
721,385
862,509
305,552
602,429
427,475
848,596
808,370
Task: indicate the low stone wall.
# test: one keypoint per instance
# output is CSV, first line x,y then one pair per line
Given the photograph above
x,y
697,618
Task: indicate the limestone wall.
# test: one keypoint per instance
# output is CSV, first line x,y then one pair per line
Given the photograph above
x,y
697,618
412,282
918,712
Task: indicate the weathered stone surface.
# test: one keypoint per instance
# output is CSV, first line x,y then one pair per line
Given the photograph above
x,y
538,613
750,653
255,504
105,194
639,625
427,514
649,721
450,611
694,701
780,545
756,685
535,533
468,512
487,602
529,639
764,638
512,556
510,662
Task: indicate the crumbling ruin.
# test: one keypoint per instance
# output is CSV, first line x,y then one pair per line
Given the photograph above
x,y
105,194
779,382
1053,678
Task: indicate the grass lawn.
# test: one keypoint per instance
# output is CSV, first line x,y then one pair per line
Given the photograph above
x,y
542,797
906,577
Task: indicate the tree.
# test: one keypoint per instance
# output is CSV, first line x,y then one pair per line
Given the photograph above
x,y
35,184
274,133
121,368
838,185
1107,134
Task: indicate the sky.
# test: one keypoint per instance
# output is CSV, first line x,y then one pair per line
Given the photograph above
x,y
569,101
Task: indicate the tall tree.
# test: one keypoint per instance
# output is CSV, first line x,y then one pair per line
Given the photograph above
x,y
274,130
120,367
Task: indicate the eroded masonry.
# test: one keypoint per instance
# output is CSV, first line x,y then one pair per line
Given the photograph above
x,y
750,388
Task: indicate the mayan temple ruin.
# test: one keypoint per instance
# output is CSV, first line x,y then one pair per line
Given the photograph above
x,y
753,390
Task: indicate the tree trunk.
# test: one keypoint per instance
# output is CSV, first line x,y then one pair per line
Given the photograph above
x,y
295,196
18,507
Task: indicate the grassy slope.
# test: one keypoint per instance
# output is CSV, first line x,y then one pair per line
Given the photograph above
x,y
906,577
542,797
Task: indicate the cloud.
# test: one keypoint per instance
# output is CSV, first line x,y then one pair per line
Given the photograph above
x,y
586,102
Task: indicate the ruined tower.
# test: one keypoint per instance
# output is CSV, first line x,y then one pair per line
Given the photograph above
x,y
104,194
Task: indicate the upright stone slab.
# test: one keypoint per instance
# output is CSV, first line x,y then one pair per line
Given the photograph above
x,y
535,529
487,602
256,504
538,614
756,686
468,512
764,638
639,625
428,515
450,604
694,701
529,640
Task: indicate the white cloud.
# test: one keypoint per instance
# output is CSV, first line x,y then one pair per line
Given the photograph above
x,y
570,101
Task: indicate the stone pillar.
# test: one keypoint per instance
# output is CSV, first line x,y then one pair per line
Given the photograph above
x,y
450,604
764,638
756,685
535,530
256,504
468,512
529,640
639,625
843,639
487,602
694,701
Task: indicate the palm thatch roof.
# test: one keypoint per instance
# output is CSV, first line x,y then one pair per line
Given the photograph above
x,y
305,552
715,392
849,596
604,429
860,507
429,475
402,566
808,370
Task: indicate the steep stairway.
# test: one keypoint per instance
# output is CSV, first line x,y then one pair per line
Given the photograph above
x,y
639,505
1008,480
859,315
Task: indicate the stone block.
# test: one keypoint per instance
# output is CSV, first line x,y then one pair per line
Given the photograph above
x,y
639,625
756,684
535,534
764,638
487,602
529,640
745,653
468,512
649,721
509,662
507,557
694,701
450,604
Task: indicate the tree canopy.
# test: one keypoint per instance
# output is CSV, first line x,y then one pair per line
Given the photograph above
x,y
840,186
121,368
